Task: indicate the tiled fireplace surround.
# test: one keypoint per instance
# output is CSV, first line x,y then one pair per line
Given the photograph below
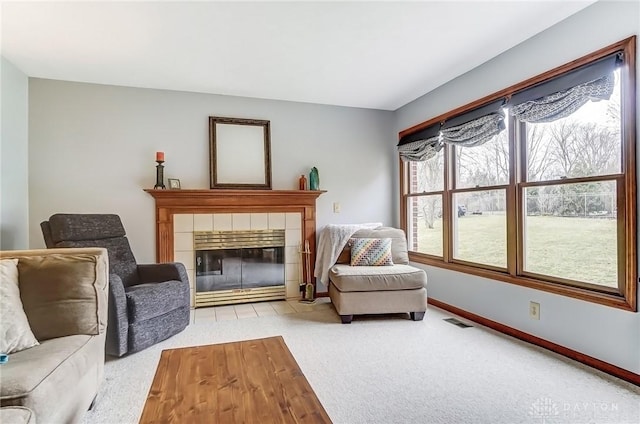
x,y
181,212
185,224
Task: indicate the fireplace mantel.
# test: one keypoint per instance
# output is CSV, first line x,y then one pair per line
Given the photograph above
x,y
171,202
236,200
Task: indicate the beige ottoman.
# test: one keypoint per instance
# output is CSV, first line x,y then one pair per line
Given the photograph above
x,y
378,290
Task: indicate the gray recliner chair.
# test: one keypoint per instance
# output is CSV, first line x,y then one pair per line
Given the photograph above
x,y
147,303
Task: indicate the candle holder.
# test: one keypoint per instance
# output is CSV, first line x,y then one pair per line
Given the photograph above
x,y
159,175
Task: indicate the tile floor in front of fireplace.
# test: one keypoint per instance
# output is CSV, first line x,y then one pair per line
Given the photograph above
x,y
255,310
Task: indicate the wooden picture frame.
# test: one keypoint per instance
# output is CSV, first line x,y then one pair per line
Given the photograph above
x,y
239,153
174,184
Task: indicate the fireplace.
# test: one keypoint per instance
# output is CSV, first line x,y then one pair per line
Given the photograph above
x,y
182,213
239,266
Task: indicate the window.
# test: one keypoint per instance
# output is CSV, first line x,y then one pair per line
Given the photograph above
x,y
546,197
424,206
479,202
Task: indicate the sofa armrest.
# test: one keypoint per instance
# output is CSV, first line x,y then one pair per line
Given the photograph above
x,y
157,273
118,329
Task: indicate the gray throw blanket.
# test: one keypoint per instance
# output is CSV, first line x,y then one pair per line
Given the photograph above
x,y
332,239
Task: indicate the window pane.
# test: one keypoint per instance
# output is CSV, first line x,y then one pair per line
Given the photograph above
x,y
480,227
425,224
571,232
586,143
484,165
427,176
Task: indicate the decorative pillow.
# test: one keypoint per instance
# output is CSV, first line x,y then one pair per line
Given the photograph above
x,y
59,294
371,252
15,332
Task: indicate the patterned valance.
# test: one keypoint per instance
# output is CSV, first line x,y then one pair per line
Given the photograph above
x,y
421,145
476,132
420,150
545,102
564,103
560,97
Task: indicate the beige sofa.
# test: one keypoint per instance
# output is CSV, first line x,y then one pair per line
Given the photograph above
x,y
64,296
399,288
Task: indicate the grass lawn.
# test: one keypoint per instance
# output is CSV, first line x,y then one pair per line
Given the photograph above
x,y
581,249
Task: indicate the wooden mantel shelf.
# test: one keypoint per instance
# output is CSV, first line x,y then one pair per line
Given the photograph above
x,y
234,199
172,202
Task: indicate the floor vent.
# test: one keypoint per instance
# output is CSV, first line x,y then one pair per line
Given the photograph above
x,y
457,322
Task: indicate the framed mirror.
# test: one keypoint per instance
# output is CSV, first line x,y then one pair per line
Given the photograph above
x,y
240,153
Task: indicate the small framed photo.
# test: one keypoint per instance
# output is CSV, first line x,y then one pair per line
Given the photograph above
x,y
174,184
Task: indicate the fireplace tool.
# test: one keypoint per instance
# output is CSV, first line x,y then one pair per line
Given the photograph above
x,y
308,294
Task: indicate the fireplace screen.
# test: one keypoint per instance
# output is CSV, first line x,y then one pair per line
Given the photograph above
x,y
239,266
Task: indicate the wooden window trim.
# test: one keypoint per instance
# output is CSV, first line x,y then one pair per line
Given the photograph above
x,y
542,285
627,225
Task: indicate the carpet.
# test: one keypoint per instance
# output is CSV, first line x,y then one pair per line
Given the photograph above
x,y
253,381
389,369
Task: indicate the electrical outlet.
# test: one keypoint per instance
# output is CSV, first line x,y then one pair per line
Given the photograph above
x,y
336,207
534,310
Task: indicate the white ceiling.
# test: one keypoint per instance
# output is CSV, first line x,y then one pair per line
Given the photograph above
x,y
378,55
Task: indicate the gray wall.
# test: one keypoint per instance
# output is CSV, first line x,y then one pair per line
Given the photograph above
x,y
609,334
14,173
92,150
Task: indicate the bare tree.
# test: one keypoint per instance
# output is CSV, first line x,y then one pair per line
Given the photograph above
x,y
577,146
430,174
484,165
598,150
538,153
564,145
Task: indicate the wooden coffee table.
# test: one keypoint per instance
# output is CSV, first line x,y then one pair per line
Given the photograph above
x,y
253,381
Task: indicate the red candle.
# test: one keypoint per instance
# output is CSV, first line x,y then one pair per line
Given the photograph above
x,y
159,156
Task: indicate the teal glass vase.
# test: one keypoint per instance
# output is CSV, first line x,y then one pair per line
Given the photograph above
x,y
314,179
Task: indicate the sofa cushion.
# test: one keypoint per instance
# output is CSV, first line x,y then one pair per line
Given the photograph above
x,y
59,293
371,252
27,370
15,332
348,278
57,379
150,300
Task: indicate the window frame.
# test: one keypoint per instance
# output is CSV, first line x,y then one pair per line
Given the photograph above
x,y
626,218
